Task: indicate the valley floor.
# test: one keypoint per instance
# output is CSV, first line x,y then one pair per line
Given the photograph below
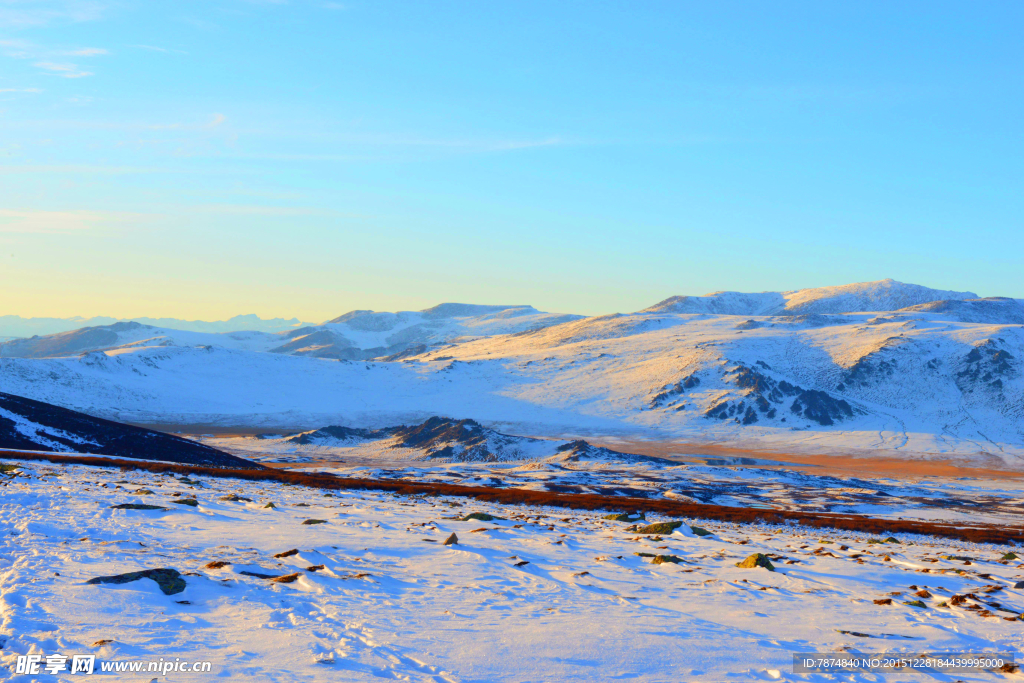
x,y
541,595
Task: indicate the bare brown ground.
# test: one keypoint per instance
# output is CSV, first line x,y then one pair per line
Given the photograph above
x,y
978,533
856,463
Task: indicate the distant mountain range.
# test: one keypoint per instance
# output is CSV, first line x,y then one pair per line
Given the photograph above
x,y
879,365
357,335
16,326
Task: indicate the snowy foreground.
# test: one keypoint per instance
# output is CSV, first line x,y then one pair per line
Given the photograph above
x,y
543,595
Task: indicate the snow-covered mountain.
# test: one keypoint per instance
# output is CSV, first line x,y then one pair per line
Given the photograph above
x,y
358,335
361,335
941,376
34,426
884,295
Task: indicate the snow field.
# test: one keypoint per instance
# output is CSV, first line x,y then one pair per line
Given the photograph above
x,y
392,601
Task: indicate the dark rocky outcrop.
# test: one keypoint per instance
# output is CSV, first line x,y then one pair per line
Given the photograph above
x,y
45,427
169,580
670,391
763,395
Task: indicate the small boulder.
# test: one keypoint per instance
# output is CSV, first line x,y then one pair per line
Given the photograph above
x,y
314,568
756,560
700,531
271,506
1009,556
624,517
884,601
287,578
452,540
169,580
235,499
315,521
915,603
191,502
481,516
216,564
136,506
663,559
288,553
659,528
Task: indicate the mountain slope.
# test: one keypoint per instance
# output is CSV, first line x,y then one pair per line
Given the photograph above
x,y
916,380
358,335
883,295
35,426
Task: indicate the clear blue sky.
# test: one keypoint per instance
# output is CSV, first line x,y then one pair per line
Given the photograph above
x,y
206,158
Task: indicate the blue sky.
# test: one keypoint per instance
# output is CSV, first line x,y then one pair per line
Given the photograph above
x,y
204,159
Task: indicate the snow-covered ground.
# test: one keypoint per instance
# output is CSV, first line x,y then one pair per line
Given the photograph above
x,y
542,595
699,479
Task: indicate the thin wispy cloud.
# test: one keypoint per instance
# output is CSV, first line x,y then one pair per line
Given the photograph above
x,y
88,52
25,90
20,14
65,70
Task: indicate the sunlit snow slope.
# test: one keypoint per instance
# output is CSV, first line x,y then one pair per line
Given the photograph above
x,y
822,374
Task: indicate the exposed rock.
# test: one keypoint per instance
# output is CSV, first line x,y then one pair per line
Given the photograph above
x,y
216,564
232,498
191,502
288,553
915,603
452,540
169,580
315,521
259,575
137,506
662,559
142,492
101,643
315,568
757,560
480,516
700,531
659,528
672,390
287,578
624,517
884,601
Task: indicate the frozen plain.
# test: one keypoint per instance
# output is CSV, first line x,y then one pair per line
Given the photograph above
x,y
542,595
